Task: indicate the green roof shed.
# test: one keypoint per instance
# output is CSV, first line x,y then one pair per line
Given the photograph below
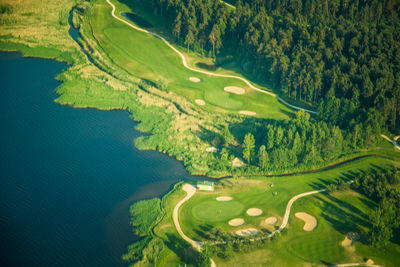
x,y
205,186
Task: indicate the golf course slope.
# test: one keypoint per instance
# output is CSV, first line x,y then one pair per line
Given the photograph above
x,y
186,65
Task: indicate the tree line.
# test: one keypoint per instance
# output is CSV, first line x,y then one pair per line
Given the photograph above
x,y
383,187
311,51
283,145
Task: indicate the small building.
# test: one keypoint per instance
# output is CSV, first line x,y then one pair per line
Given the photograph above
x,y
205,186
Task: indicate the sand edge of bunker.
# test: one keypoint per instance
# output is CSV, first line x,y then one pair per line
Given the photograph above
x,y
194,79
235,90
247,112
200,102
248,232
224,198
271,220
310,222
254,212
236,222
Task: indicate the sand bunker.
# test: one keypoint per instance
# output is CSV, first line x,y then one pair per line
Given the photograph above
x,y
350,238
236,162
369,261
236,222
254,212
248,113
310,221
224,198
347,242
211,149
200,102
194,79
247,232
235,90
271,220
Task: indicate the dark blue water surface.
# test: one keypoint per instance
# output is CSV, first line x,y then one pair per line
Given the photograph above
x,y
67,176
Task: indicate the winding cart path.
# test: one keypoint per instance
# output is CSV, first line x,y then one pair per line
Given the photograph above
x,y
186,65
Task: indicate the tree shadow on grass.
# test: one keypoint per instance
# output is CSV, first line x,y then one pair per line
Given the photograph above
x,y
203,231
340,218
182,249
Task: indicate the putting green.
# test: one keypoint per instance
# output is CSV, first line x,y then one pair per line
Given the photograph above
x,y
215,211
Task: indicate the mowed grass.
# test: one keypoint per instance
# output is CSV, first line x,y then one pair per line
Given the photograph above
x,y
147,57
212,210
337,214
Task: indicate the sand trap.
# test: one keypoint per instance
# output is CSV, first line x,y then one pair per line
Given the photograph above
x,y
247,232
194,79
254,212
200,102
350,238
310,221
248,113
369,261
271,220
211,149
347,242
236,222
236,162
224,198
235,90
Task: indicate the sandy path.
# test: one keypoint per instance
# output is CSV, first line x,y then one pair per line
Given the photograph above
x,y
229,5
310,222
185,64
393,142
289,206
190,190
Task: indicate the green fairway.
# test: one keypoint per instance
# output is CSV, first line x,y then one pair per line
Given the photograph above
x,y
147,57
216,211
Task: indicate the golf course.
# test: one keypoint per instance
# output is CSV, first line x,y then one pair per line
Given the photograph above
x,y
333,216
288,129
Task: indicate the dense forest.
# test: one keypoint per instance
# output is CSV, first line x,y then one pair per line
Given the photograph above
x,y
383,187
341,56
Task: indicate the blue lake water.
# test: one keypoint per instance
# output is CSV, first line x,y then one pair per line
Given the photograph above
x,y
68,176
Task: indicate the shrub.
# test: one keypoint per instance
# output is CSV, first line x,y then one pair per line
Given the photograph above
x,y
6,9
162,84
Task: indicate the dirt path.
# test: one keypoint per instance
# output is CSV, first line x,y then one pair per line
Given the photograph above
x,y
289,206
227,4
190,190
393,142
185,64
